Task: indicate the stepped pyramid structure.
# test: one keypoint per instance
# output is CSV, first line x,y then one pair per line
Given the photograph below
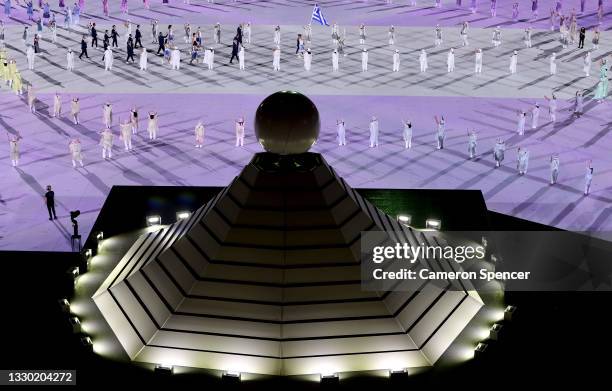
x,y
266,278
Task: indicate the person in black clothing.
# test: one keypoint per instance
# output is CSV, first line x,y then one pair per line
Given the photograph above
x,y
138,37
582,36
130,49
50,200
106,39
114,36
161,41
105,43
234,50
94,35
83,48
239,34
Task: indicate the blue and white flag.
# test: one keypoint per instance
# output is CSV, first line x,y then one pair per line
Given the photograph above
x,y
317,16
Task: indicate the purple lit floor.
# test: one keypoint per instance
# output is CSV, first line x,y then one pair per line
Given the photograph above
x,y
344,12
173,160
486,103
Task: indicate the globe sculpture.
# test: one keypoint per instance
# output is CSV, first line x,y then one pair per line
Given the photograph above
x,y
287,123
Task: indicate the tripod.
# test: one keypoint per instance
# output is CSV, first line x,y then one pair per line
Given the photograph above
x,y
76,238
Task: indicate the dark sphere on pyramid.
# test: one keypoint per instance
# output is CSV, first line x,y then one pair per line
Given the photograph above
x,y
287,123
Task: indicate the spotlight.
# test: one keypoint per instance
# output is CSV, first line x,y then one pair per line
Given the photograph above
x,y
231,377
64,305
75,323
183,215
87,343
404,219
153,220
509,313
495,331
398,373
74,272
330,378
433,224
481,349
99,236
87,255
164,369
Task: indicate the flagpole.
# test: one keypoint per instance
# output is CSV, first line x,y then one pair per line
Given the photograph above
x,y
310,20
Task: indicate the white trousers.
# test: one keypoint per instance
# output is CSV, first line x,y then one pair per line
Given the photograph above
x,y
472,150
553,176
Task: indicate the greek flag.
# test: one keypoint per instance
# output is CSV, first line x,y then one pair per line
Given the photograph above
x,y
318,17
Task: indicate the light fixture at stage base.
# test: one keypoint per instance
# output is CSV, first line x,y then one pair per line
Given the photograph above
x,y
398,373
484,241
183,215
495,331
481,349
87,343
404,219
99,236
509,313
433,224
231,377
75,323
87,256
73,272
164,369
64,305
153,220
329,378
